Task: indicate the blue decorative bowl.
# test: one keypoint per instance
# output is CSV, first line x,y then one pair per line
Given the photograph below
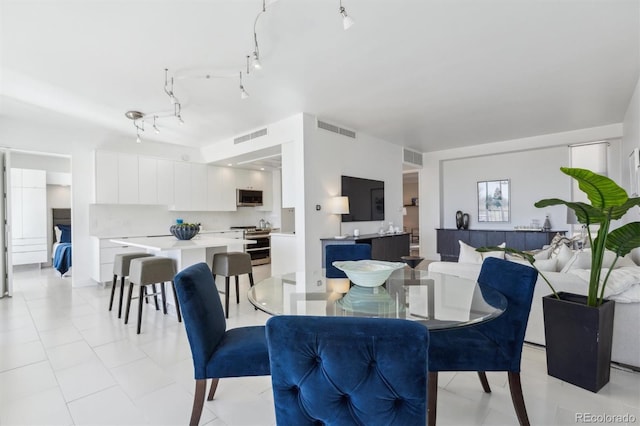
x,y
184,231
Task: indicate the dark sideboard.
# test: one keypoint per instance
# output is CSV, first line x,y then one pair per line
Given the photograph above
x,y
388,247
449,248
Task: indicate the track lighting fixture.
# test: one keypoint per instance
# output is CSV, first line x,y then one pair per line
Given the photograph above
x,y
347,21
243,93
169,89
255,56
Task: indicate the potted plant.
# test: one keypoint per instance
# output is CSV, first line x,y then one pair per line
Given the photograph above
x,y
579,329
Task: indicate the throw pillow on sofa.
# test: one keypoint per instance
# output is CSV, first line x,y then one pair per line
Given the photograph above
x,y
582,260
468,254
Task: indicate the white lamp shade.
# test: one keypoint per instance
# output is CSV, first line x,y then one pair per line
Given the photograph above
x,y
340,205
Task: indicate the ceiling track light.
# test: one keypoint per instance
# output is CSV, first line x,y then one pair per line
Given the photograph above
x,y
243,93
255,57
347,21
169,89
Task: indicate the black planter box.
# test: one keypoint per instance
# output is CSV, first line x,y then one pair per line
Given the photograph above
x,y
578,339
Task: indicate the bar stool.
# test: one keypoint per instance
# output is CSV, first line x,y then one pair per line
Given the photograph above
x,y
121,264
228,265
151,271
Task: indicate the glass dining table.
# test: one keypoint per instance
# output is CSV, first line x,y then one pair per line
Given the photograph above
x,y
436,300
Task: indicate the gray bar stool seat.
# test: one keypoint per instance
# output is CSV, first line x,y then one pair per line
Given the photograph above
x,y
232,264
151,271
121,264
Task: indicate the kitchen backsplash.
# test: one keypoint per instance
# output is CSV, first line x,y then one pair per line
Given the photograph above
x,y
140,220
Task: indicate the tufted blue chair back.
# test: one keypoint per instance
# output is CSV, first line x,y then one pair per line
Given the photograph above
x,y
348,370
202,313
335,252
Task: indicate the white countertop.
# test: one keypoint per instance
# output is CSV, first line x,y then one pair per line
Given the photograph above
x,y
283,234
167,234
172,243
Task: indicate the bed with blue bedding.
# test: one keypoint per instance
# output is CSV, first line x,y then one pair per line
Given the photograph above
x,y
61,253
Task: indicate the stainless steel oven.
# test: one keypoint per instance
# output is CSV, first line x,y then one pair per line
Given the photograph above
x,y
260,252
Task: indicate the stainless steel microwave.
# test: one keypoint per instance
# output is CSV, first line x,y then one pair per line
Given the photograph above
x,y
248,197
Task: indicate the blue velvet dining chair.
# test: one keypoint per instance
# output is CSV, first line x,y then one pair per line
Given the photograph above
x,y
495,345
333,252
216,351
348,370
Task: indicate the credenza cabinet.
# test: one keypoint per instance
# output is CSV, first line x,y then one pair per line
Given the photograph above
x,y
449,248
389,247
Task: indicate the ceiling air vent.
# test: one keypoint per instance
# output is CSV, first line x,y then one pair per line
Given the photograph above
x,y
335,129
249,136
412,157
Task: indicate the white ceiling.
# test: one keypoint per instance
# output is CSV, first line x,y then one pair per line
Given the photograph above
x,y
425,74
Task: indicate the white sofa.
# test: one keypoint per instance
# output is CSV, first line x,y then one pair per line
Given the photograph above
x,y
626,335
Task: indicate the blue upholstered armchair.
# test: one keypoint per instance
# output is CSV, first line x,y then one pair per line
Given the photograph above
x,y
492,346
217,352
335,252
348,370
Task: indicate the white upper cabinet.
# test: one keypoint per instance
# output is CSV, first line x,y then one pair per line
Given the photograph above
x,y
147,180
198,187
221,193
128,179
165,182
106,164
267,191
181,182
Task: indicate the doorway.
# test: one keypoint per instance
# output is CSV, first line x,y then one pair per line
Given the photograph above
x,y
411,208
36,185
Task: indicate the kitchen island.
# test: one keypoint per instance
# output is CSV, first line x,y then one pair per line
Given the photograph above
x,y
200,248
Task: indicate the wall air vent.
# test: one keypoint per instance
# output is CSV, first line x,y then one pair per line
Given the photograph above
x,y
335,129
249,136
412,157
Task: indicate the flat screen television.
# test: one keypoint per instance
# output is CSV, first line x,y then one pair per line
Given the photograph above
x,y
366,199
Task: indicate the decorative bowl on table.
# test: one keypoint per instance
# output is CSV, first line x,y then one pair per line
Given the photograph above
x,y
368,273
184,231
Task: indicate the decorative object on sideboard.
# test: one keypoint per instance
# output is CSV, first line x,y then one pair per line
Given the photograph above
x,y
547,224
459,219
465,220
185,231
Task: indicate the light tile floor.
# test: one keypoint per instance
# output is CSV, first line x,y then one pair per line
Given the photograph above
x,y
66,360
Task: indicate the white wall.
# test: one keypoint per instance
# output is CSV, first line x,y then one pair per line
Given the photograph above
x,y
449,178
631,140
328,156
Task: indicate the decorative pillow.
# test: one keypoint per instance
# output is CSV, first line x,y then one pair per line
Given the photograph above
x,y
468,254
564,256
579,260
543,254
546,265
609,256
498,254
65,237
58,232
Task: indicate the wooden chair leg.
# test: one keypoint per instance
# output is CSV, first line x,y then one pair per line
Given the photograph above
x,y
212,390
485,383
126,315
255,308
164,298
198,402
237,290
226,297
432,403
175,298
113,291
121,297
518,400
142,297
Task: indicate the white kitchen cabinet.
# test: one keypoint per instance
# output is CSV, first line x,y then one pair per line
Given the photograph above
x,y
106,173
181,182
28,216
221,192
288,175
267,191
128,179
105,252
147,180
198,187
165,182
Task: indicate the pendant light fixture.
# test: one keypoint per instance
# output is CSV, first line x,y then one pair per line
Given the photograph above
x,y
243,93
347,21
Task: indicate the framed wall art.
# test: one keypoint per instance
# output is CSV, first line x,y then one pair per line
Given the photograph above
x,y
494,201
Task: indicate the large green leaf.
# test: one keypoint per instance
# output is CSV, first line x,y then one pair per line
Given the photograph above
x,y
585,213
624,239
601,191
618,212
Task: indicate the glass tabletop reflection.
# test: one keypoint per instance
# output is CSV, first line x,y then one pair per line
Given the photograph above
x,y
436,300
